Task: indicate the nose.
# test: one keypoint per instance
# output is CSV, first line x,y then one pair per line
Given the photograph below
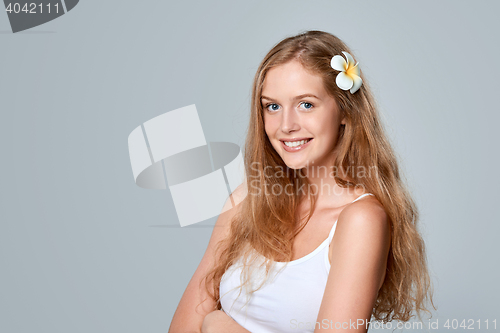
x,y
289,121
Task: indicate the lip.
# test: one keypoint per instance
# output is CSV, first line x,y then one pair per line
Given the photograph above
x,y
294,139
295,149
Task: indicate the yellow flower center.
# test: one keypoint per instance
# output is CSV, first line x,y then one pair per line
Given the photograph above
x,y
350,71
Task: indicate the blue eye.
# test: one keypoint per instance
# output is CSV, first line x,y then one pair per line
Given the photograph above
x,y
272,107
307,105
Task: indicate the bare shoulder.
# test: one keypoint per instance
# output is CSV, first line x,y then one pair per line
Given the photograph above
x,y
240,193
367,210
232,206
365,218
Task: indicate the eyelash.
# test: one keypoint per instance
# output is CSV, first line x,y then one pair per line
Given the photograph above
x,y
269,104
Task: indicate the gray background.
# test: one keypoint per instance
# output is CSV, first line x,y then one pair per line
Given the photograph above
x,y
83,249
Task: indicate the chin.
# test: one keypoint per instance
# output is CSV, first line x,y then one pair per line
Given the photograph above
x,y
295,166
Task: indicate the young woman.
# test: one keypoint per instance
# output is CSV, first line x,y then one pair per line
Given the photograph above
x,y
325,234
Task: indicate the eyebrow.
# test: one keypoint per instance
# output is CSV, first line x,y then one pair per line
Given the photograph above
x,y
295,98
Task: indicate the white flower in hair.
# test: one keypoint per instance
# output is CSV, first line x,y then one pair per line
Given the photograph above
x,y
348,78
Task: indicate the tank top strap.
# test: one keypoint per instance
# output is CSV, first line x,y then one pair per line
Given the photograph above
x,y
330,236
332,231
361,196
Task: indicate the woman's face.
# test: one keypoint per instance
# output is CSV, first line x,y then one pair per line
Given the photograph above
x,y
297,106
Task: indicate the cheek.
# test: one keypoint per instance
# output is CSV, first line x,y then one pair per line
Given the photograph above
x,y
269,126
329,132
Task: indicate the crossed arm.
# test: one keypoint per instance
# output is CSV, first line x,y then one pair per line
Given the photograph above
x,y
195,313
360,246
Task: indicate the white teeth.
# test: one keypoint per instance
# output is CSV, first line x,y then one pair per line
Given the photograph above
x,y
295,143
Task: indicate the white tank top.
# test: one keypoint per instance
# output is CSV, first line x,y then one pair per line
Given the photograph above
x,y
289,301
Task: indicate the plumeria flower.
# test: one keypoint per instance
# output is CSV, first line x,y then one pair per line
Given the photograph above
x,y
348,78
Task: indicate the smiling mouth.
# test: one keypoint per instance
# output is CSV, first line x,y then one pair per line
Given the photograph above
x,y
293,144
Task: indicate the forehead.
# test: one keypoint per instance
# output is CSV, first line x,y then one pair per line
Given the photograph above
x,y
292,79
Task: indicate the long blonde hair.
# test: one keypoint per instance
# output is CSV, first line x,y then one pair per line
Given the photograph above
x,y
266,224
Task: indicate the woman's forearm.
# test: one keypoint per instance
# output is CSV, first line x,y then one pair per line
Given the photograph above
x,y
219,322
233,326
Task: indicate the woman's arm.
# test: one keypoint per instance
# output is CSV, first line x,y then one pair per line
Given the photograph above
x,y
189,316
360,248
219,322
